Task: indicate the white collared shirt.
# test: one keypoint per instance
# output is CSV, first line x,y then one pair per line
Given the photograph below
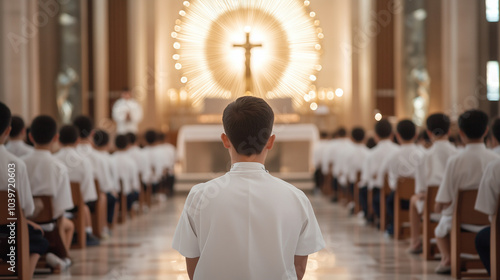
x,y
338,155
247,224
80,170
121,108
128,172
431,171
401,163
464,172
157,162
373,162
497,150
142,161
21,184
326,159
319,149
355,157
18,148
489,189
100,165
48,176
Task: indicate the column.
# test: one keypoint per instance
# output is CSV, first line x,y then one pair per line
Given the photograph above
x,y
100,57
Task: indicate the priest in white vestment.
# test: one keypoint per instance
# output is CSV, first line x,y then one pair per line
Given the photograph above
x,y
127,113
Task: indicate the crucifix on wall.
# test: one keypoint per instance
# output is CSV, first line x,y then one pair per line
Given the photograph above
x,y
248,55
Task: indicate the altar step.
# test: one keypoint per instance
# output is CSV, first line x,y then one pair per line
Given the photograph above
x,y
185,181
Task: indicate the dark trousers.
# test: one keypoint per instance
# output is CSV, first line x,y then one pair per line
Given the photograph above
x,y
319,179
111,207
483,247
351,190
131,198
363,200
405,204
335,186
376,202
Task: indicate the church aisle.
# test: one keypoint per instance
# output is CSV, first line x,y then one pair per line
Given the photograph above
x,y
141,250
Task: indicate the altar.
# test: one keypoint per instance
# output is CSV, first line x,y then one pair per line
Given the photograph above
x,y
202,156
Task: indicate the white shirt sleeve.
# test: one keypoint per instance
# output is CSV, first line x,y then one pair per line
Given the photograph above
x,y
421,175
489,190
310,239
24,189
63,200
87,184
185,237
447,189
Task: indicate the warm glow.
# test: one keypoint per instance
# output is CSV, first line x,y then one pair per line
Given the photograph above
x,y
184,80
314,106
284,66
186,3
339,92
378,117
176,57
330,95
178,66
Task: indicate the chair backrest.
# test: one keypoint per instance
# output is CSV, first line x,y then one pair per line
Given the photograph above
x,y
495,243
430,198
406,188
97,187
76,193
46,214
464,209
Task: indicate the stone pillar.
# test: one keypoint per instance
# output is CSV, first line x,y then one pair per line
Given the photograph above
x,y
100,57
460,55
19,26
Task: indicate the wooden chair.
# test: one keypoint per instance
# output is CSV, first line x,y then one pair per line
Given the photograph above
x,y
405,189
463,242
100,214
22,261
495,244
122,201
357,206
78,217
46,217
429,250
384,192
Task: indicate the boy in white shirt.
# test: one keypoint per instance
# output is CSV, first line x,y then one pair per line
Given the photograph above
x,y
401,163
319,149
247,224
156,159
21,187
16,144
169,155
429,173
102,146
487,202
334,154
372,165
463,172
495,136
48,176
128,172
80,170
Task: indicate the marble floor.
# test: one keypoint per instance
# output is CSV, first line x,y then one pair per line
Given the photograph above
x,y
141,250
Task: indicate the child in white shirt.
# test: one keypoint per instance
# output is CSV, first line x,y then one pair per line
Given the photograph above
x,y
128,172
16,144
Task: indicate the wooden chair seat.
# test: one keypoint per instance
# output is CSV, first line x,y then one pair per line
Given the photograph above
x,y
405,189
78,217
100,214
463,242
429,248
122,202
22,257
384,192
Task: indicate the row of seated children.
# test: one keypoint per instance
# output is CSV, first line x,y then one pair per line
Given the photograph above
x,y
83,156
441,164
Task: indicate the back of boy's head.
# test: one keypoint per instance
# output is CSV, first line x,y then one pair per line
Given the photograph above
x,y
371,143
100,138
121,142
5,117
341,132
17,126
68,135
84,125
358,134
131,138
43,129
495,129
248,123
438,124
406,130
473,124
383,129
150,136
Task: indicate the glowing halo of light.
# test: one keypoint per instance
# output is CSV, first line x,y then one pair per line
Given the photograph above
x,y
291,72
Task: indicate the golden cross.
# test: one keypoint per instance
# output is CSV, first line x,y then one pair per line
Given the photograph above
x,y
248,55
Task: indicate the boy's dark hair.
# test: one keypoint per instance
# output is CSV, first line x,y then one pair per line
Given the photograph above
x,y
406,129
161,136
248,123
383,129
121,142
43,129
341,132
131,137
150,136
473,123
424,136
358,134
438,124
17,125
5,117
68,134
371,143
323,135
84,125
495,129
101,138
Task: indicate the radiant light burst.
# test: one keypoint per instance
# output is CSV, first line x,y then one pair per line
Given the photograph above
x,y
285,65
